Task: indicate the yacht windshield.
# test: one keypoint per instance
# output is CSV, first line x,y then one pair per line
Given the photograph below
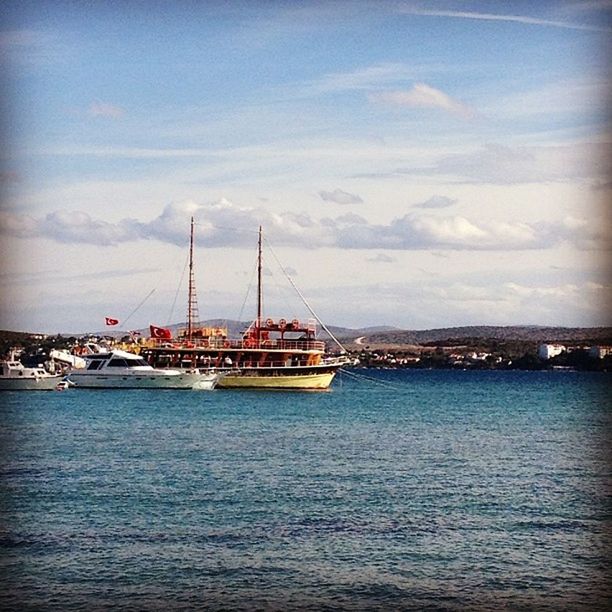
x,y
137,362
117,362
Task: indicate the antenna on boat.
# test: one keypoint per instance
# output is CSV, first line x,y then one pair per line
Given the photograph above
x,y
192,300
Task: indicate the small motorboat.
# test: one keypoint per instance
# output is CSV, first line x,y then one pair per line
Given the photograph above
x,y
17,377
62,385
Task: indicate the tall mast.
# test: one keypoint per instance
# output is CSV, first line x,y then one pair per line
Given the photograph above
x,y
259,288
192,300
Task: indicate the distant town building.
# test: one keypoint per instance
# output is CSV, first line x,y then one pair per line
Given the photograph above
x,y
599,352
547,351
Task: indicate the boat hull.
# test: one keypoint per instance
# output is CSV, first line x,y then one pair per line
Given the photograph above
x,y
30,384
279,379
181,381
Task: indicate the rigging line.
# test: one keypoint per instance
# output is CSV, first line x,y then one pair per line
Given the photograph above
x,y
281,291
363,377
312,312
178,289
246,297
138,307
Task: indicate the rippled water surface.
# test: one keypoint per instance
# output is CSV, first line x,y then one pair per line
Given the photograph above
x,y
446,490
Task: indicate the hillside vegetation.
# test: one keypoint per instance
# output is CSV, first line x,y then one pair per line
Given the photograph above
x,y
455,335
381,335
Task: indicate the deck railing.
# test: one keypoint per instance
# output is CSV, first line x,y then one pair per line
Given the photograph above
x,y
221,343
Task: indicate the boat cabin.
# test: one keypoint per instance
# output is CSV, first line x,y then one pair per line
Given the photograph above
x,y
272,344
15,369
114,359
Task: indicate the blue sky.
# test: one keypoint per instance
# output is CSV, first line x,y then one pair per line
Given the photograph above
x,y
419,164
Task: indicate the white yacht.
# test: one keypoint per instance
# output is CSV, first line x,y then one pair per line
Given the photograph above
x,y
17,377
121,370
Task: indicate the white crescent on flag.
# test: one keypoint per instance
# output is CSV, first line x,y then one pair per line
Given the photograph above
x,y
111,321
160,332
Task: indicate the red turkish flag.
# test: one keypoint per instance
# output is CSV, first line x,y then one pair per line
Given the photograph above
x,y
160,332
111,321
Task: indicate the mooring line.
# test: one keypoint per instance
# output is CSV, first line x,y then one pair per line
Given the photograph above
x,y
363,378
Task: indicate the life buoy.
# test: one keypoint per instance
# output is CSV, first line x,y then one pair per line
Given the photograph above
x,y
269,322
226,344
295,323
282,323
248,344
204,343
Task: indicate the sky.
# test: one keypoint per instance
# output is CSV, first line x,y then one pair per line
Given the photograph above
x,y
419,164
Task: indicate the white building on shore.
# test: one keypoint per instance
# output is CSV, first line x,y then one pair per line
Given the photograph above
x,y
599,352
546,351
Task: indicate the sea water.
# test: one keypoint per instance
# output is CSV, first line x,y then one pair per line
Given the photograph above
x,y
409,490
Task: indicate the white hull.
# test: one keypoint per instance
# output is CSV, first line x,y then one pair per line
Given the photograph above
x,y
92,380
46,383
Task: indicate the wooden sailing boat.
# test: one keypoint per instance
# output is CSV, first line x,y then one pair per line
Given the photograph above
x,y
271,354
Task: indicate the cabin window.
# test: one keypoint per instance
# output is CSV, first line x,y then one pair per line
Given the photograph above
x,y
136,362
94,365
117,363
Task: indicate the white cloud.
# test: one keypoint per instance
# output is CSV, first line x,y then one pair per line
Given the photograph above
x,y
53,277
588,234
521,19
120,152
422,95
21,226
530,292
426,303
463,292
79,227
585,94
340,197
502,164
368,78
223,223
381,258
436,202
105,110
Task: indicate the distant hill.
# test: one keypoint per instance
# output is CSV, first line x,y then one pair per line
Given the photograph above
x,y
235,328
348,333
391,335
526,333
15,336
